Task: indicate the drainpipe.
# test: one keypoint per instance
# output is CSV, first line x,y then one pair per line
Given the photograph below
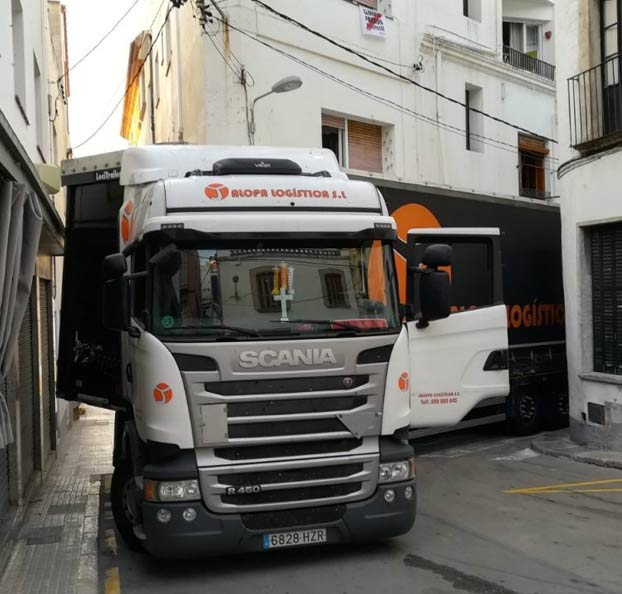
x,y
180,114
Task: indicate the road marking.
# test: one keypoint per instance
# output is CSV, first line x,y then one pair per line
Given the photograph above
x,y
112,584
110,542
569,488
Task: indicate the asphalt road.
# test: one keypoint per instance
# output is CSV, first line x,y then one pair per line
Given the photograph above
x,y
471,536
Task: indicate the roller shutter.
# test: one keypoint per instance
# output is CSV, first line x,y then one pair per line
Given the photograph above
x,y
26,394
364,146
47,405
606,260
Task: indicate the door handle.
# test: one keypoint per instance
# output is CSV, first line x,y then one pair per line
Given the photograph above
x,y
128,372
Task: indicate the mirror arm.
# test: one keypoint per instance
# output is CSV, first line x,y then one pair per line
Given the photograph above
x,y
136,275
133,332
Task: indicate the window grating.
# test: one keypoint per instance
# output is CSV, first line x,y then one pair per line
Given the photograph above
x,y
606,260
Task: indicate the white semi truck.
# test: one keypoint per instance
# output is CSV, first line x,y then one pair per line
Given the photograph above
x,y
238,308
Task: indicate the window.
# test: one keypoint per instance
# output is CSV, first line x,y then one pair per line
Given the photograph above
x,y
19,56
333,289
357,145
472,9
156,79
40,120
532,152
606,262
263,284
532,41
474,120
610,44
522,38
143,92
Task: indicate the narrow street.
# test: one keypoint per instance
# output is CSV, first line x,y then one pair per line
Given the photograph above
x,y
470,536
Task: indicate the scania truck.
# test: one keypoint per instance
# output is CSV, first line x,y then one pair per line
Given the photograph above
x,y
238,308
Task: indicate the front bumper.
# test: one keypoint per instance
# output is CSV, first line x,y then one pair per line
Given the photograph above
x,y
218,534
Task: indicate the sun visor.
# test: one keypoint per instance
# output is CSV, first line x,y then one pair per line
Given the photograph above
x,y
257,192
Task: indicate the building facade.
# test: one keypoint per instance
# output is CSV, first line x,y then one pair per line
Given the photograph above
x,y
589,44
200,80
33,139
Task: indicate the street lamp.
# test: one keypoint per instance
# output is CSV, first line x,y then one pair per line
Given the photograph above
x,y
285,85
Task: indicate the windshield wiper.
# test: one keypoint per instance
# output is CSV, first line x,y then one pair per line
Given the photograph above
x,y
341,325
245,331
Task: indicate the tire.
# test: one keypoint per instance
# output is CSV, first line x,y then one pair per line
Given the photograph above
x,y
556,415
124,504
526,412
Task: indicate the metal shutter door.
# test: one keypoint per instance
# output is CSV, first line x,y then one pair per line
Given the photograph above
x,y
364,146
4,466
26,395
45,321
606,259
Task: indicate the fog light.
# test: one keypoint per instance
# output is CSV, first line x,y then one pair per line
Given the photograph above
x,y
189,514
389,495
164,516
409,492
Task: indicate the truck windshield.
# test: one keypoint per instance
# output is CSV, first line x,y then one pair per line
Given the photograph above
x,y
220,293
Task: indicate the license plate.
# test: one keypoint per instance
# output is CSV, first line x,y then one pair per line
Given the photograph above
x,y
294,539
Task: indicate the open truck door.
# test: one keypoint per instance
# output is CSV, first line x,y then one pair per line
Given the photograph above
x,y
89,357
458,338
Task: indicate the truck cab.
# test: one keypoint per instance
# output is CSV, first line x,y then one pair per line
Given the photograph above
x,y
238,308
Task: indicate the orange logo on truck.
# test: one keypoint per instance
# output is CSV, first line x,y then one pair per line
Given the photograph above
x,y
163,393
126,222
217,191
403,382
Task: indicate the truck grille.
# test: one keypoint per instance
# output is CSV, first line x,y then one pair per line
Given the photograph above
x,y
289,450
294,483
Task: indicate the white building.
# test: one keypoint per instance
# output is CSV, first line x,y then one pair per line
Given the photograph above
x,y
590,104
199,85
33,139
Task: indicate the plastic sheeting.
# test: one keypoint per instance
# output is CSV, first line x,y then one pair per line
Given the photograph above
x,y
20,229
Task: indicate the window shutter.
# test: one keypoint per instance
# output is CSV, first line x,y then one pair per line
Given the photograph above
x,y
606,256
333,121
364,146
532,144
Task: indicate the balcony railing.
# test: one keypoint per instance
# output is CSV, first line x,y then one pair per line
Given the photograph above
x,y
595,106
526,62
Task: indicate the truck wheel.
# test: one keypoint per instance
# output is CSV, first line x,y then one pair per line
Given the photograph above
x,y
557,412
124,498
525,419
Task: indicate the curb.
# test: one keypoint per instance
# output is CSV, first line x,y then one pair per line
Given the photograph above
x,y
576,457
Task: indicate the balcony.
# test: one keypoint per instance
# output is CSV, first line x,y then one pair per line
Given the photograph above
x,y
595,106
527,62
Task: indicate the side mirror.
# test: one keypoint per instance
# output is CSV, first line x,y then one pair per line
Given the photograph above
x,y
113,267
434,291
436,255
433,288
168,260
116,305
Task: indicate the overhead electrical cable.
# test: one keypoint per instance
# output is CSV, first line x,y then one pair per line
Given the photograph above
x,y
131,83
89,52
392,72
488,141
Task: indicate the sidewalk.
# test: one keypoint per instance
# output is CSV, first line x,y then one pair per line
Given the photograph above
x,y
54,549
559,444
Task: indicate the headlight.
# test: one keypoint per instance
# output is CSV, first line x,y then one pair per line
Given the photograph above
x,y
392,472
171,490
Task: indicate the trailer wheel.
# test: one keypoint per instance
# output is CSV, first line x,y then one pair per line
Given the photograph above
x,y
124,498
525,418
556,416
